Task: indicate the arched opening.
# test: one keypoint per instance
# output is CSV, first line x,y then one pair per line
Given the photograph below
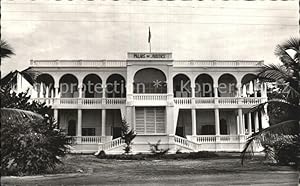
x,y
72,128
68,86
115,86
182,86
45,85
249,86
149,80
227,86
204,86
223,127
92,86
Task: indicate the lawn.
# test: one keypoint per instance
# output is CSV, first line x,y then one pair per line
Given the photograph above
x,y
223,170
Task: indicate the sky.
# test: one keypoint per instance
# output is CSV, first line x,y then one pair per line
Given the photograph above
x,y
191,30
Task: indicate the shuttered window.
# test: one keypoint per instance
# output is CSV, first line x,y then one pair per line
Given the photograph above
x,y
150,120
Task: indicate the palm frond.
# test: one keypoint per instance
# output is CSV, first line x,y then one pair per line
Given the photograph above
x,y
292,43
279,102
6,49
18,115
273,73
282,129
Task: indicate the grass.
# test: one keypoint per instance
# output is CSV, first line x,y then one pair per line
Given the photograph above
x,y
224,169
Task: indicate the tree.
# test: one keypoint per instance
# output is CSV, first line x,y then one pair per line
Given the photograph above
x,y
31,143
6,49
30,140
127,135
281,140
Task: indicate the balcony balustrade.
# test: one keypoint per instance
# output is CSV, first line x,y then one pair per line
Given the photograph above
x,y
123,63
222,138
149,99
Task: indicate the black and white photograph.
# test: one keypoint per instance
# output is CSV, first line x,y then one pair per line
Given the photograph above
x,y
150,92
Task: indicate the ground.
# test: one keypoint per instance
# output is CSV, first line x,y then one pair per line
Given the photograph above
x,y
88,170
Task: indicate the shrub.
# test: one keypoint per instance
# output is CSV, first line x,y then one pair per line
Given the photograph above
x,y
127,135
154,149
28,145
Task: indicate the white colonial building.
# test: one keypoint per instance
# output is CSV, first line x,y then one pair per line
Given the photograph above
x,y
190,105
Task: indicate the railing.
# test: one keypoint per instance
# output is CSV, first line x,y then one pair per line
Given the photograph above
x,y
88,139
209,100
150,97
183,101
229,138
67,101
78,63
111,144
113,101
91,101
216,63
83,101
228,100
206,139
187,143
252,100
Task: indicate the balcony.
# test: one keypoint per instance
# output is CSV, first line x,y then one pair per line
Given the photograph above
x,y
221,101
123,63
82,102
217,63
150,99
78,63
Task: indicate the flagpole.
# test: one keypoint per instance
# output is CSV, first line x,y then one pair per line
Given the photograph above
x,y
149,39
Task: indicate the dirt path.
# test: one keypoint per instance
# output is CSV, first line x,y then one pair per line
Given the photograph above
x,y
176,172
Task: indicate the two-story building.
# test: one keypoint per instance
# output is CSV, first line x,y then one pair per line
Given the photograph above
x,y
190,105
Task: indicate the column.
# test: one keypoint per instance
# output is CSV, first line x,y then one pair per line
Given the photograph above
x,y
56,92
241,124
237,125
79,122
55,115
194,127
193,92
79,90
216,93
104,93
103,122
256,123
249,123
217,121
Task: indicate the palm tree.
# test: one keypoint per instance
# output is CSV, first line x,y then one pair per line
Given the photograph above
x,y
283,105
6,49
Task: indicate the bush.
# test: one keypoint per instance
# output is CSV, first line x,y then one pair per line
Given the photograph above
x,y
29,145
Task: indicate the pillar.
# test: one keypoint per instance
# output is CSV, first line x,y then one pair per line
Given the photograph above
x,y
216,93
80,90
256,122
241,123
55,115
56,92
194,125
103,122
79,122
217,121
249,123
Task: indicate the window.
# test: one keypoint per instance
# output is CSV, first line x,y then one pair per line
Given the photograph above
x,y
88,132
150,120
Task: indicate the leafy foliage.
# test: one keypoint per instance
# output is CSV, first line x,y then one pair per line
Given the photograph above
x,y
30,140
281,139
6,49
127,135
154,149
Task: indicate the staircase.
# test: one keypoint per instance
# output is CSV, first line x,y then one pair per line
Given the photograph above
x,y
113,144
187,144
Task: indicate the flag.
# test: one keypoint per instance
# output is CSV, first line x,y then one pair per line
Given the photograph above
x,y
149,36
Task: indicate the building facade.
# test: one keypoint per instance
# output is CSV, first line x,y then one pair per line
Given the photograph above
x,y
190,105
